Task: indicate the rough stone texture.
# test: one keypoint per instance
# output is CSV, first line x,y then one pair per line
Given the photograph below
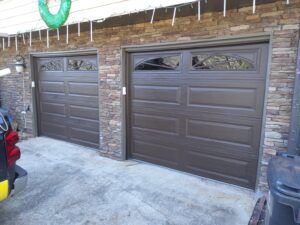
x,y
65,187
279,19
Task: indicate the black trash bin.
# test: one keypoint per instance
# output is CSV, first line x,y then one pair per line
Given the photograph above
x,y
283,207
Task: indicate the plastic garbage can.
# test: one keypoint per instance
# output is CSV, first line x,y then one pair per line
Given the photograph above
x,y
283,203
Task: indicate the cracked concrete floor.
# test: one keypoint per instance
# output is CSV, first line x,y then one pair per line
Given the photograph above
x,y
69,184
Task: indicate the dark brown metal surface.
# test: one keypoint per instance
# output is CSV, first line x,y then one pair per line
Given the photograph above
x,y
294,136
206,122
68,102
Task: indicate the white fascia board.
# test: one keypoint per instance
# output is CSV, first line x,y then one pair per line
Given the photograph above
x,y
22,16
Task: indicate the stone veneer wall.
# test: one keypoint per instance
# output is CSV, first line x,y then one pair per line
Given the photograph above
x,y
279,19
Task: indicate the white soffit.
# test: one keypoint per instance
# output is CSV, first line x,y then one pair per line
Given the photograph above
x,y
23,16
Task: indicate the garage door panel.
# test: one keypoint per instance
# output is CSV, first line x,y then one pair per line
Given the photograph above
x,y
84,112
55,129
53,108
220,132
243,99
51,77
157,124
151,136
54,87
82,123
88,89
156,94
227,166
85,135
156,152
241,152
230,133
231,98
86,101
154,108
212,172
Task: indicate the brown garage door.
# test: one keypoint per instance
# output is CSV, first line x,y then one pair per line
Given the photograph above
x,y
199,110
68,102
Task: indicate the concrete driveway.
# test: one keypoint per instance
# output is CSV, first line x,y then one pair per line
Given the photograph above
x,y
72,185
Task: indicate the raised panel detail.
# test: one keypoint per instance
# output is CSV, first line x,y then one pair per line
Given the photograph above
x,y
219,131
222,97
156,123
83,112
90,89
52,87
218,166
53,108
156,152
157,94
84,135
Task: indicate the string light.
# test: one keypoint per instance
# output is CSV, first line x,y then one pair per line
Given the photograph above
x,y
175,9
174,15
30,38
153,13
67,34
224,8
16,42
57,33
91,31
48,38
23,37
199,10
78,27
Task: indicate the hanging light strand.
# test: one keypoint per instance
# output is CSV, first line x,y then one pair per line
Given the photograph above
x,y
57,33
152,17
3,44
174,16
23,37
30,38
91,31
224,8
67,34
16,42
199,10
48,45
78,27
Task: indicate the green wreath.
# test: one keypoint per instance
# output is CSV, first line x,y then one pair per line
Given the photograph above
x,y
57,20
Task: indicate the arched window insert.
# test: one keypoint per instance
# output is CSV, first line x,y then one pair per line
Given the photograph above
x,y
82,65
160,63
52,65
221,62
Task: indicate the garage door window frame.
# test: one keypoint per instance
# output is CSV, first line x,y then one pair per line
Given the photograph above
x,y
227,41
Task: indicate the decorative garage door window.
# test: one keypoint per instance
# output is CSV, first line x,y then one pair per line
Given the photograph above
x,y
52,65
221,62
81,65
161,63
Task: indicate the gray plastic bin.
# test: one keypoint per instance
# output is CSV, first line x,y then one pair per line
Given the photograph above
x,y
283,203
